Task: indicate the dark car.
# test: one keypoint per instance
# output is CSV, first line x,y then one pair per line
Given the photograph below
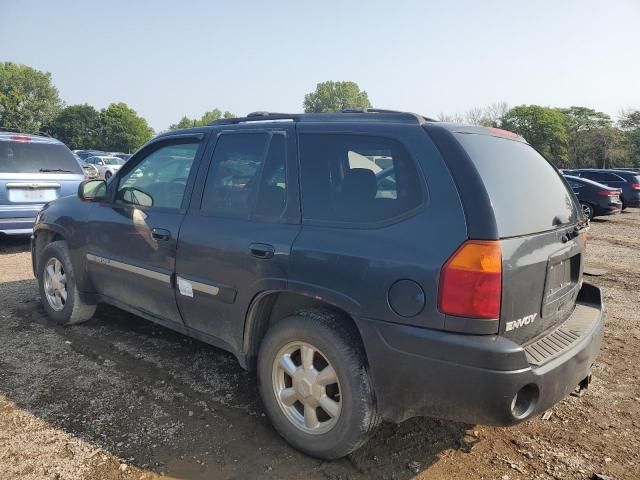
x,y
627,181
434,288
84,154
34,169
595,199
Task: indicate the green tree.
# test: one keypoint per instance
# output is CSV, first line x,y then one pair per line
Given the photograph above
x,y
590,136
122,129
78,126
205,119
629,123
544,128
335,97
28,98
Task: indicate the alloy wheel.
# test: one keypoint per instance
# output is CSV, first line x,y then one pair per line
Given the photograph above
x,y
306,388
55,284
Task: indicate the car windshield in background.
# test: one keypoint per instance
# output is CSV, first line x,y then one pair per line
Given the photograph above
x,y
19,157
526,192
113,161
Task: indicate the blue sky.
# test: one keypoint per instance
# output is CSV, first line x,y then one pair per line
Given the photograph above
x,y
167,59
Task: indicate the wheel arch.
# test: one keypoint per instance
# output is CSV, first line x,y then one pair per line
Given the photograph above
x,y
269,307
43,236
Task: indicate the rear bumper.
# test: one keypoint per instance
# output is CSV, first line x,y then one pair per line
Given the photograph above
x,y
608,210
632,199
16,226
475,378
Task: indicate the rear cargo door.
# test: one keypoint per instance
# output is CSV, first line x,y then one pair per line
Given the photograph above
x,y
538,224
34,171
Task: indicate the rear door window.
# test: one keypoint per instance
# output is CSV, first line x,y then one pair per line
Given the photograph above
x,y
605,177
32,157
526,192
356,178
247,176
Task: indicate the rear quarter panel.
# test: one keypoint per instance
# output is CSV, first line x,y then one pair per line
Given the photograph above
x,y
354,268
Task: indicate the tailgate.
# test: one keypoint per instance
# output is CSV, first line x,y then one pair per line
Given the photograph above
x,y
542,275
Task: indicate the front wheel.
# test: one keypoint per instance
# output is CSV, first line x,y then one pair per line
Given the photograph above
x,y
58,290
587,210
315,385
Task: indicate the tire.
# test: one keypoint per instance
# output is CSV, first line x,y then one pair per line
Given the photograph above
x,y
107,175
336,345
70,310
587,210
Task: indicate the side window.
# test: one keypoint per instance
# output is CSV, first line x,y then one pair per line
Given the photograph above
x,y
160,179
247,176
272,194
604,177
575,184
354,178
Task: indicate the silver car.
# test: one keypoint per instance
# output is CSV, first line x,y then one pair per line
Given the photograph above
x,y
106,166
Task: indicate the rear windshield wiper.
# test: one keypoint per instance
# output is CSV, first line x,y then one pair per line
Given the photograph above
x,y
59,170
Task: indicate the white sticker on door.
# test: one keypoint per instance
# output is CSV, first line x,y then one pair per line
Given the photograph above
x,y
185,288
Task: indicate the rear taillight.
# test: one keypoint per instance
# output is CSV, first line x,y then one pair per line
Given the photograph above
x,y
609,193
635,186
471,281
20,138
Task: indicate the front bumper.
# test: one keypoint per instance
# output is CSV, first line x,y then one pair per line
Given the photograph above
x,y
477,378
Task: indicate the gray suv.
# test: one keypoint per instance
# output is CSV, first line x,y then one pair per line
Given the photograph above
x,y
370,265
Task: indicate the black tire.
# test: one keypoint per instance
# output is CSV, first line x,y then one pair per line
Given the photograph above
x,y
107,175
587,207
74,309
339,342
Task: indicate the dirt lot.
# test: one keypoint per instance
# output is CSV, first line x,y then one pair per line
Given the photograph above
x,y
121,398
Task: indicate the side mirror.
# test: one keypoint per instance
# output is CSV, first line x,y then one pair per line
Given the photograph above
x,y
92,191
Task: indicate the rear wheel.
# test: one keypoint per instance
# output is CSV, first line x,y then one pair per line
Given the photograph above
x,y
587,210
58,290
107,175
315,385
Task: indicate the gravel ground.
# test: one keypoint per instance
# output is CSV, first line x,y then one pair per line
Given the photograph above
x,y
121,398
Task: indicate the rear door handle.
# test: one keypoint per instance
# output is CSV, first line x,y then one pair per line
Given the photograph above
x,y
262,250
160,234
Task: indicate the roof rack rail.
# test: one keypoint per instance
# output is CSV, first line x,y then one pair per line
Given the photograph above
x,y
272,116
257,117
420,118
18,130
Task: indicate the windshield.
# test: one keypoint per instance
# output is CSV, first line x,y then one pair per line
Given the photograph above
x,y
113,161
27,157
527,194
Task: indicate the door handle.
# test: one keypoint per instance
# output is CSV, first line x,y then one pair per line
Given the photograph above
x,y
262,250
160,234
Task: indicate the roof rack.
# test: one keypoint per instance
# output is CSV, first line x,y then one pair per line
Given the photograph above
x,y
17,130
297,117
257,117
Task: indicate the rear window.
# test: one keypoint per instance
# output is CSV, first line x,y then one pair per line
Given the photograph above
x,y
18,157
526,192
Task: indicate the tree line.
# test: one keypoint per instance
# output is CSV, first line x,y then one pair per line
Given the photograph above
x,y
569,137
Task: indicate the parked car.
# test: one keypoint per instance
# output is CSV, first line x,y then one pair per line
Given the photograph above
x,y
124,156
105,165
34,169
446,291
84,154
628,182
595,199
